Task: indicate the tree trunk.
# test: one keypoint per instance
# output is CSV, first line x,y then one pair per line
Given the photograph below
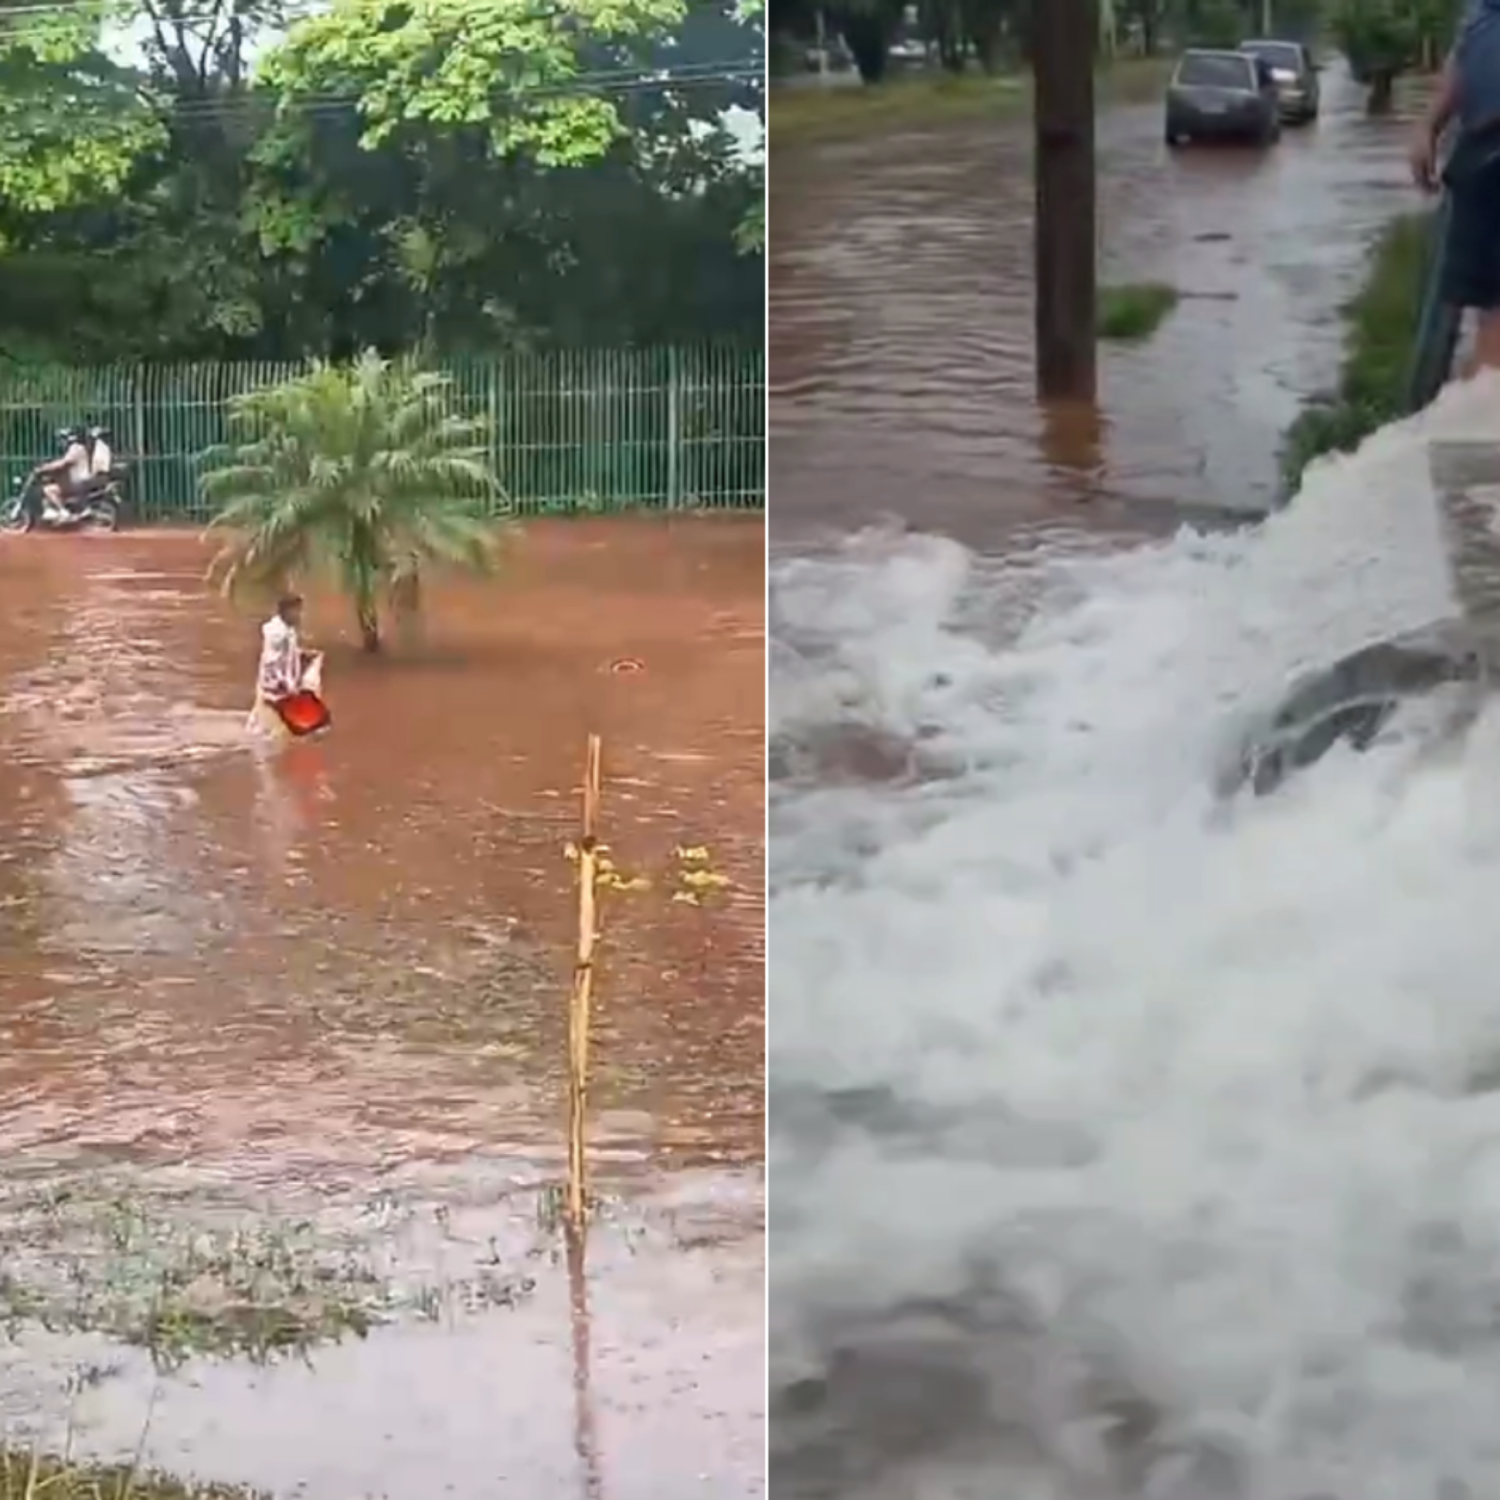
x,y
985,40
868,40
1382,92
369,624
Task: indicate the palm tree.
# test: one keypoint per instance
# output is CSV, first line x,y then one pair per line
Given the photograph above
x,y
360,471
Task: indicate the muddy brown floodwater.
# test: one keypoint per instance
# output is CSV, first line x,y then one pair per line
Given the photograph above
x,y
901,308
902,388
293,1026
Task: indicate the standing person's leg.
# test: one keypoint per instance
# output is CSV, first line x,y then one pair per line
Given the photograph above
x,y
1471,267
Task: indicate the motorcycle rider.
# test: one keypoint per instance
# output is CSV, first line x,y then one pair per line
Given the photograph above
x,y
69,476
101,455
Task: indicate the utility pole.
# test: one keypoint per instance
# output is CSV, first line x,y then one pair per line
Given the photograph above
x,y
1063,64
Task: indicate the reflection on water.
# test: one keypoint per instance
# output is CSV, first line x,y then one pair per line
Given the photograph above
x,y
901,321
321,965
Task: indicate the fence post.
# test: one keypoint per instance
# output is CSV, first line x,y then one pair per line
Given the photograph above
x,y
674,431
138,437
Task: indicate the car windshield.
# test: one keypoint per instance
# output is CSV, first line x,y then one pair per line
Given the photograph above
x,y
1278,54
1215,70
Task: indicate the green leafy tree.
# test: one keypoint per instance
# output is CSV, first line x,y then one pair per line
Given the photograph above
x,y
73,124
360,472
192,208
528,74
1385,38
1217,23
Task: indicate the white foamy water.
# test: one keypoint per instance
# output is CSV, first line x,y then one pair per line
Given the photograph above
x,y
1179,1118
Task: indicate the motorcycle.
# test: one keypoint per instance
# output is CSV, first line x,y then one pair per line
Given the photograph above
x,y
101,508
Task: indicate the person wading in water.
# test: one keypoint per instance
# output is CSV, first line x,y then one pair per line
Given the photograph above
x,y
1468,94
285,668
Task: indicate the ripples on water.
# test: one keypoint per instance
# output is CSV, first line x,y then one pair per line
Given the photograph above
x,y
901,321
1127,1142
325,975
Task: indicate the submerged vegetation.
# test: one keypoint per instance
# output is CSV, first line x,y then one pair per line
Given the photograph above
x,y
26,1475
1381,319
1132,312
181,1280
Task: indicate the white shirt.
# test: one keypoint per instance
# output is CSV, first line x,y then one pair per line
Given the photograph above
x,y
77,458
280,659
103,460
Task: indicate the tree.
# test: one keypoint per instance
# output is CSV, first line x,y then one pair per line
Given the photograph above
x,y
363,472
327,203
1385,38
867,27
528,75
72,122
563,113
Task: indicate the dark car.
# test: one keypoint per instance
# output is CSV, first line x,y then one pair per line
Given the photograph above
x,y
1295,75
1222,95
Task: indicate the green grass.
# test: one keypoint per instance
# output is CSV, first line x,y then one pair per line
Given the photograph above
x,y
32,1476
180,1284
1132,312
1381,322
922,98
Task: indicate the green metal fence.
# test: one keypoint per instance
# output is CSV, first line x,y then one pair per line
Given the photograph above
x,y
584,431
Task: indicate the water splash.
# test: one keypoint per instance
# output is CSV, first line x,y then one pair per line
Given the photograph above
x,y
1156,1134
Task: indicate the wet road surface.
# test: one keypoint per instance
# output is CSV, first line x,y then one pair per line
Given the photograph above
x,y
902,387
901,312
337,976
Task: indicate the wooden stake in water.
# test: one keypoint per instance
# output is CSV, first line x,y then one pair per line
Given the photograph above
x,y
583,985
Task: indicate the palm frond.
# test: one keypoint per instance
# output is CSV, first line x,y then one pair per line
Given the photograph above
x,y
368,472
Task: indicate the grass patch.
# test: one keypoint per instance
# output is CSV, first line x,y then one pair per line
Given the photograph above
x,y
1133,312
32,1476
1382,320
180,1284
811,113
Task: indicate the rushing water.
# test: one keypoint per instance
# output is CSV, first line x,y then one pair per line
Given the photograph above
x,y
248,1000
1127,1141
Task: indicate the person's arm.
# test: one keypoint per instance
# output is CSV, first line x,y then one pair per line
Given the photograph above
x,y
1435,120
1444,103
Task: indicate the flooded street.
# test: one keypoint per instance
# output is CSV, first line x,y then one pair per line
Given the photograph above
x,y
1133,1137
901,320
298,1022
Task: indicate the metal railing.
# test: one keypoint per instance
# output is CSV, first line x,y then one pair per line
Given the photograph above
x,y
570,432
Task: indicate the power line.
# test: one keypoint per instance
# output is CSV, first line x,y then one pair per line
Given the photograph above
x,y
603,82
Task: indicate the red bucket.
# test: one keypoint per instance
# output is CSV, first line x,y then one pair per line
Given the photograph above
x,y
303,713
